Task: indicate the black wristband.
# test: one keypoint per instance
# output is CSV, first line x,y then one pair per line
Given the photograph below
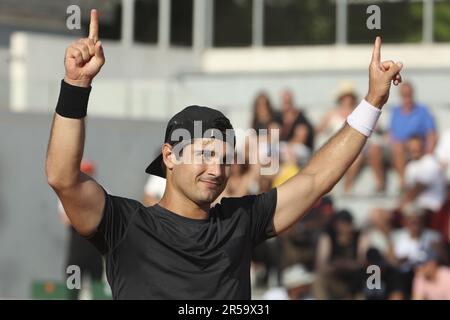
x,y
72,101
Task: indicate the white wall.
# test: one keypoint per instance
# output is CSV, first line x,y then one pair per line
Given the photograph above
x,y
37,67
326,57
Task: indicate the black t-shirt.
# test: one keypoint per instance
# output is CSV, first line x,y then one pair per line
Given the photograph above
x,y
153,253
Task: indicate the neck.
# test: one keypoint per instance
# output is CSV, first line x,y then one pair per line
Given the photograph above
x,y
408,107
181,205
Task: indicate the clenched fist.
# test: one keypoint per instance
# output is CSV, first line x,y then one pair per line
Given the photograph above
x,y
381,74
84,58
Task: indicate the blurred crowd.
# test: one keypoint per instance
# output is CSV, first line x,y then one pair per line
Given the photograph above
x,y
399,253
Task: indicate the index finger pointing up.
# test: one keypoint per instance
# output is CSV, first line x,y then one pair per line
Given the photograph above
x,y
376,55
93,26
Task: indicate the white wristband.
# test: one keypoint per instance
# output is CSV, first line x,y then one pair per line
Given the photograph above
x,y
364,118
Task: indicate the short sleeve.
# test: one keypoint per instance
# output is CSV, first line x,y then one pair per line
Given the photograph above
x,y
260,209
117,215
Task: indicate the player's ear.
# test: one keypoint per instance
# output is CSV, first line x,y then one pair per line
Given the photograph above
x,y
168,156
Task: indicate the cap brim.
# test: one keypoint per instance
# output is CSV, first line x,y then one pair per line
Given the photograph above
x,y
156,168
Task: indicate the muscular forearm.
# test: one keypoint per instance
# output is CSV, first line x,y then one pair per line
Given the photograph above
x,y
331,162
66,144
65,151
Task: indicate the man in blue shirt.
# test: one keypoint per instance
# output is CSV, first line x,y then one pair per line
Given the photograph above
x,y
407,120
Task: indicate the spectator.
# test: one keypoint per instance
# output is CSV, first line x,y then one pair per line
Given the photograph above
x,y
407,120
410,244
376,248
378,236
243,180
390,286
288,166
333,121
425,182
441,223
340,272
431,280
263,113
295,125
266,263
299,243
411,240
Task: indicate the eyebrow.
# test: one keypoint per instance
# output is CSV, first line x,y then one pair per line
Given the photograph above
x,y
206,142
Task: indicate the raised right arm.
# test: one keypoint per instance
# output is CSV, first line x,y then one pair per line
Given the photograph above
x,y
82,197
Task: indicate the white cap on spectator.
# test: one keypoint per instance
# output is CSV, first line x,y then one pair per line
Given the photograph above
x,y
296,276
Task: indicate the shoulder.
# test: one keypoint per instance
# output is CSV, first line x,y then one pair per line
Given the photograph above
x,y
246,203
121,205
423,109
232,204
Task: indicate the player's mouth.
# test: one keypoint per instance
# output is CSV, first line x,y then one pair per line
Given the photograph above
x,y
211,184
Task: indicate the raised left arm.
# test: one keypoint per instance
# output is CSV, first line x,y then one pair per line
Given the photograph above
x,y
328,165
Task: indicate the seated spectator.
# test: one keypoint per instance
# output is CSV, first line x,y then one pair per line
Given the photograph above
x,y
378,236
295,126
266,263
263,113
425,182
431,280
441,223
243,180
288,166
408,120
410,244
299,243
333,121
390,286
411,240
340,272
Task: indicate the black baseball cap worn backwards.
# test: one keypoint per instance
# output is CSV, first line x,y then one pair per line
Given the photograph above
x,y
196,121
